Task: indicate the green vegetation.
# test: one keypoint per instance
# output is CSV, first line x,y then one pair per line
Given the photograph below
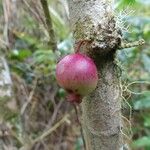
x,y
32,65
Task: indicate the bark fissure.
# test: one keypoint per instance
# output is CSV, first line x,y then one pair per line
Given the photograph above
x,y
94,20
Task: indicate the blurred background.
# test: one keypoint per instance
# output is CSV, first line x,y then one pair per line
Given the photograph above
x,y
37,116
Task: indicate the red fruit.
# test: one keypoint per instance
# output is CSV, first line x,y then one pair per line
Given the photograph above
x,y
77,74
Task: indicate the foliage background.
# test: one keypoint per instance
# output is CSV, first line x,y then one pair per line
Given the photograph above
x,y
38,105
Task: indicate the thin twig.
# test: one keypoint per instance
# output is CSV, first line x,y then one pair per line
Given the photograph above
x,y
54,114
48,19
81,129
131,44
14,134
38,10
6,20
2,42
49,131
29,99
35,13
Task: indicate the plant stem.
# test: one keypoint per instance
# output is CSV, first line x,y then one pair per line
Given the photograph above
x,y
48,19
131,44
81,129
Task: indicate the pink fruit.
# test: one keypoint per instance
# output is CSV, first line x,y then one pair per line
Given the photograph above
x,y
77,74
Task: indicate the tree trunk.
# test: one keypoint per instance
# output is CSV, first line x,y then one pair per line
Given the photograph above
x,y
94,20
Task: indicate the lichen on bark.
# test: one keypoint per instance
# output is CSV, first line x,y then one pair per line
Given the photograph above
x,y
94,20
83,29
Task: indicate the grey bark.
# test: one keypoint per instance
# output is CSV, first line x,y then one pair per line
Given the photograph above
x,y
5,96
94,20
5,79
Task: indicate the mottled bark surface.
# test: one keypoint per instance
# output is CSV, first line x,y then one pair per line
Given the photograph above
x,y
5,80
101,110
5,97
94,20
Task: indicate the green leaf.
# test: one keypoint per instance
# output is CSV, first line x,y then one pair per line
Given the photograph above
x,y
66,46
145,2
120,4
79,144
146,62
138,21
60,26
142,142
146,120
20,54
44,56
142,103
26,37
61,92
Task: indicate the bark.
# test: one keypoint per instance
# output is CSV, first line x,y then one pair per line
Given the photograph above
x,y
5,97
94,20
5,80
5,89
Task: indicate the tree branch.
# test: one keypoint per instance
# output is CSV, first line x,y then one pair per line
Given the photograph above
x,y
131,44
101,110
48,19
49,131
